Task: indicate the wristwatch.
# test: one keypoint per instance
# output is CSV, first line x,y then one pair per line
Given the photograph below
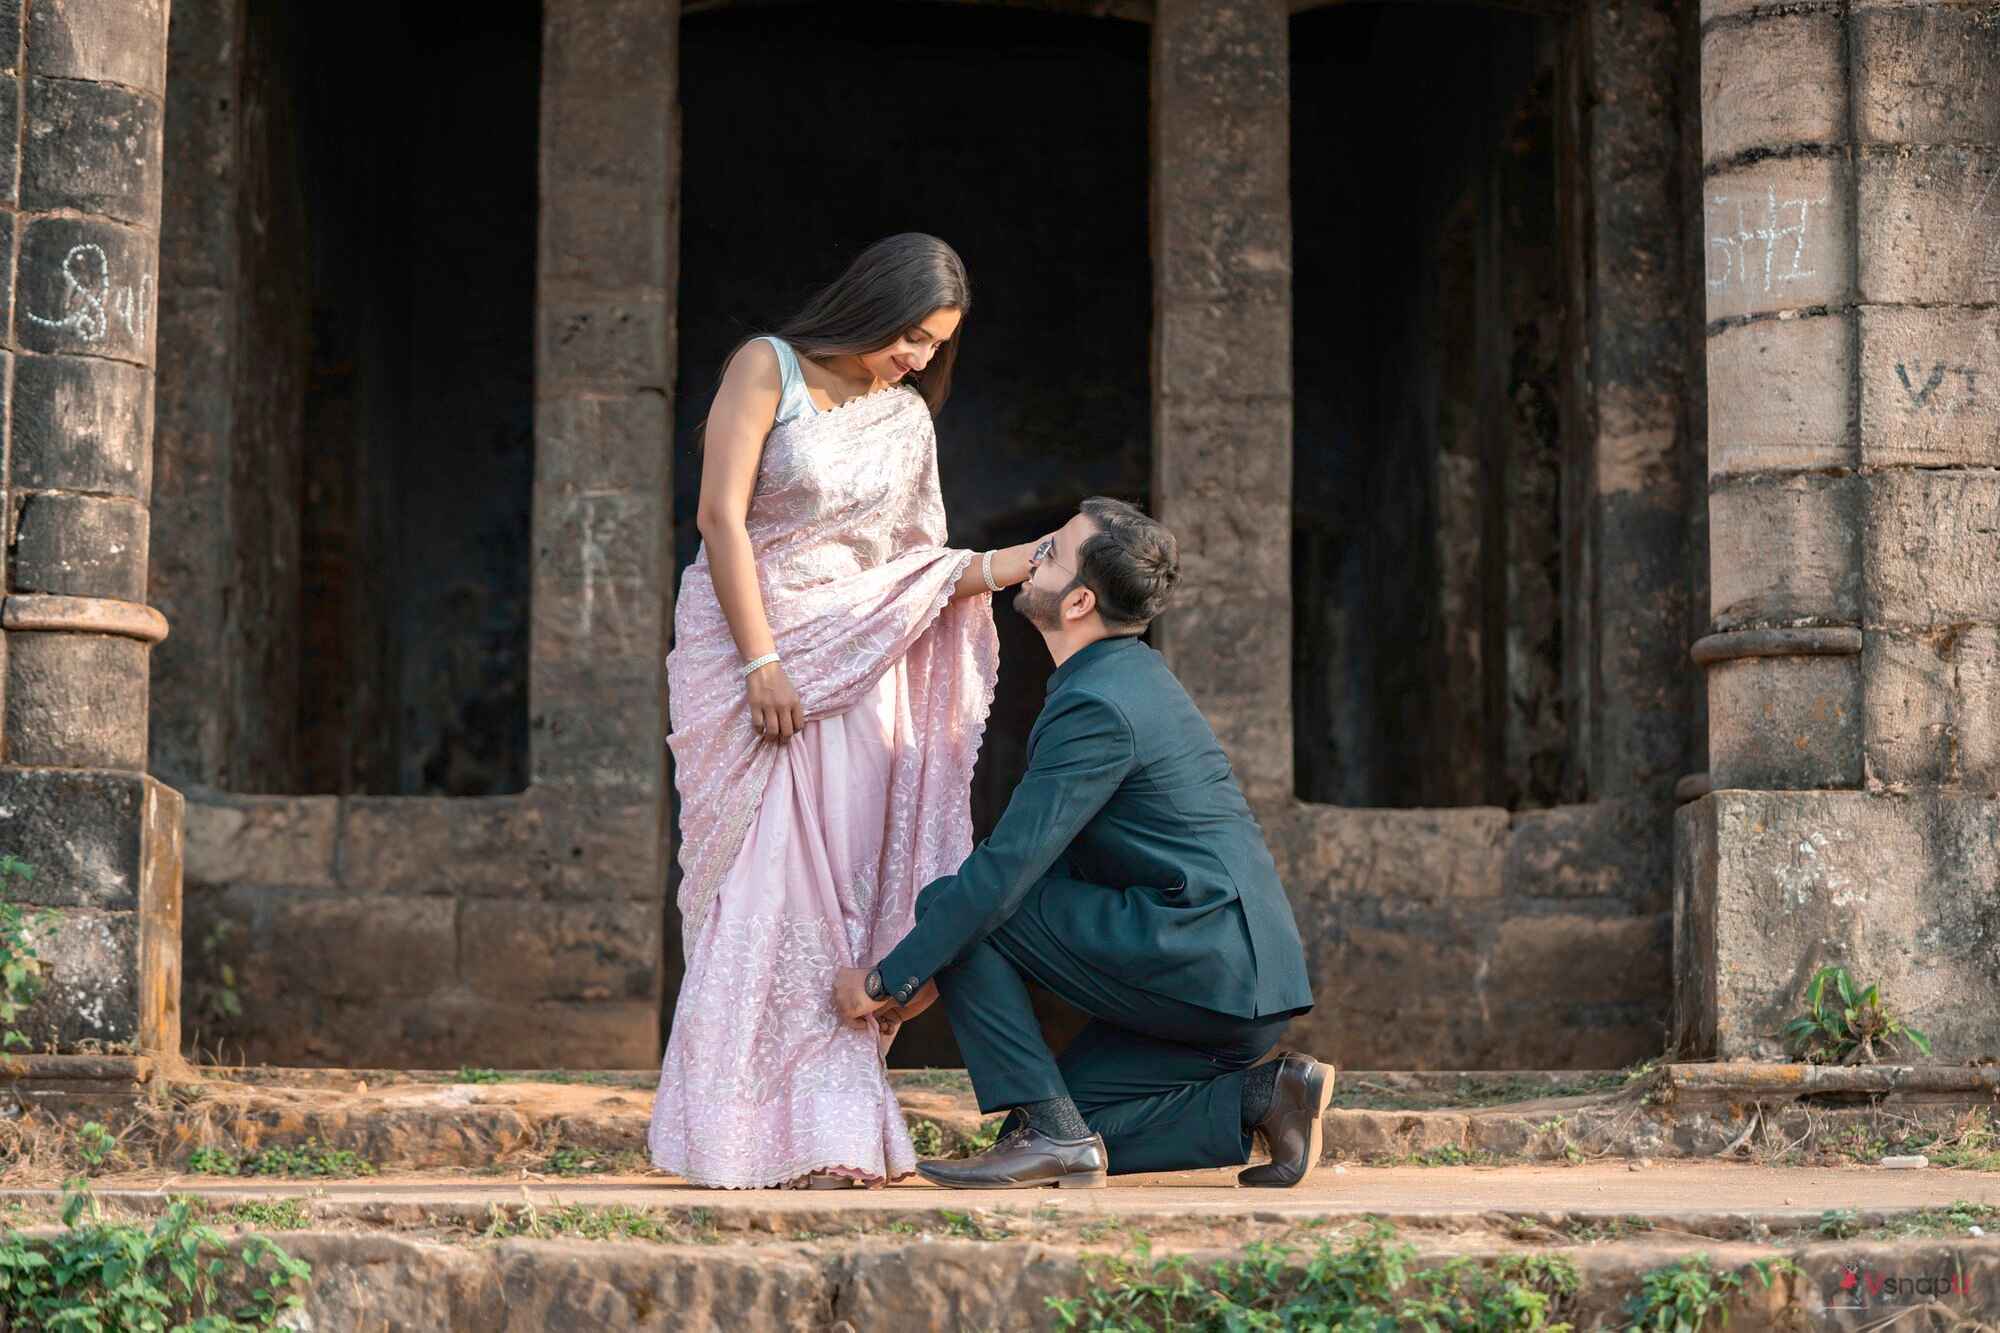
x,y
874,985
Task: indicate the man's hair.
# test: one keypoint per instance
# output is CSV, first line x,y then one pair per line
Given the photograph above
x,y
1132,563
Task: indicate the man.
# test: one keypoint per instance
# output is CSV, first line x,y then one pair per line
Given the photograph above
x,y
1128,876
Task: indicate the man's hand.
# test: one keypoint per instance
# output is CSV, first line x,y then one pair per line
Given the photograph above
x,y
850,994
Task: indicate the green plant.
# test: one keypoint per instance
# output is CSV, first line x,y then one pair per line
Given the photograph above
x,y
928,1138
1446,1154
275,1215
179,1274
969,1227
21,967
1844,1025
1372,1284
1680,1298
95,1144
571,1161
312,1159
213,1162
1839,1223
583,1222
467,1074
213,998
984,1137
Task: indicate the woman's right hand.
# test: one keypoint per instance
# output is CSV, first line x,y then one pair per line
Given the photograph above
x,y
775,710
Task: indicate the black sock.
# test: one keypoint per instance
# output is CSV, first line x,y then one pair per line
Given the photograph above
x,y
1057,1117
1259,1086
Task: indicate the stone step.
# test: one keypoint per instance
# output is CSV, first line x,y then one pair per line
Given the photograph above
x,y
474,1119
457,1254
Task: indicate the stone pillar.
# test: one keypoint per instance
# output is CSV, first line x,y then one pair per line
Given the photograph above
x,y
603,521
82,89
1853,659
1222,369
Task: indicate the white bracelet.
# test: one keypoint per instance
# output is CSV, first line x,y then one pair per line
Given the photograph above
x,y
986,572
763,661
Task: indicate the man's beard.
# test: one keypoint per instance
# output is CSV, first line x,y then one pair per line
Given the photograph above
x,y
1039,607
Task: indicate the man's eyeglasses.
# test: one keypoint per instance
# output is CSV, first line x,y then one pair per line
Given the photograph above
x,y
1045,553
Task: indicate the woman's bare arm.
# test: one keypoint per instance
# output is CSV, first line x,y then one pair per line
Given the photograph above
x,y
1010,566
732,446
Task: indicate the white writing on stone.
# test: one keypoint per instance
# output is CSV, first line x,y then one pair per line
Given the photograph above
x,y
1758,256
89,306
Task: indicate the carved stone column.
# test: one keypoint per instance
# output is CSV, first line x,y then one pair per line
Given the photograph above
x,y
1853,658
82,86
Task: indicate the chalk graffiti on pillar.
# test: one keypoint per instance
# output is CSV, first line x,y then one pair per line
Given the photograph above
x,y
1770,252
1925,394
91,301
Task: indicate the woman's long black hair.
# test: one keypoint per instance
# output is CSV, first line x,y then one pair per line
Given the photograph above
x,y
893,285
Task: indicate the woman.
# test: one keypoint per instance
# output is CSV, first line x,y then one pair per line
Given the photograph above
x,y
832,669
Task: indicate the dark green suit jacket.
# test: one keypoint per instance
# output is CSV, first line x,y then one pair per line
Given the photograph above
x,y
1161,875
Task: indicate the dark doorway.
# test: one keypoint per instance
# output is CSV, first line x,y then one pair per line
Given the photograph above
x,y
1020,138
417,158
1430,310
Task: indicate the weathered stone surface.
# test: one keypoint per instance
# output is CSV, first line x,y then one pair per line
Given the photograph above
x,y
430,845
90,997
76,701
612,139
1777,396
1899,889
1784,723
10,123
1927,231
158,982
1771,83
1777,237
590,44
611,341
118,41
87,287
1405,915
1933,547
619,442
1222,264
580,741
281,841
1933,703
79,546
1608,850
527,950
92,147
82,424
1783,550
1930,387
598,560
338,946
1569,960
83,832
1920,75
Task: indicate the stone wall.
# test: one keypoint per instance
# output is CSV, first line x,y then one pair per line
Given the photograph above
x,y
380,932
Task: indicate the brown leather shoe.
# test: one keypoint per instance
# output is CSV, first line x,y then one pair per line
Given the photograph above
x,y
1292,1127
1025,1159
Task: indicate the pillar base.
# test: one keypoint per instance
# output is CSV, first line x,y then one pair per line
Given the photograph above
x,y
104,904
61,1084
1902,890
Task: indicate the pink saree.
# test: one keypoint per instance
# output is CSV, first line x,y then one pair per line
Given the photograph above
x,y
804,857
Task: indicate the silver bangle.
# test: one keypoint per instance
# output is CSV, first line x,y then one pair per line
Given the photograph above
x,y
763,661
986,572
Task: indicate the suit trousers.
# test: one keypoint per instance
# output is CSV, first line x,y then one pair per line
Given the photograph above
x,y
1161,1079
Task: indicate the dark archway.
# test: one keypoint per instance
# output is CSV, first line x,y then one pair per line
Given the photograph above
x,y
1430,312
